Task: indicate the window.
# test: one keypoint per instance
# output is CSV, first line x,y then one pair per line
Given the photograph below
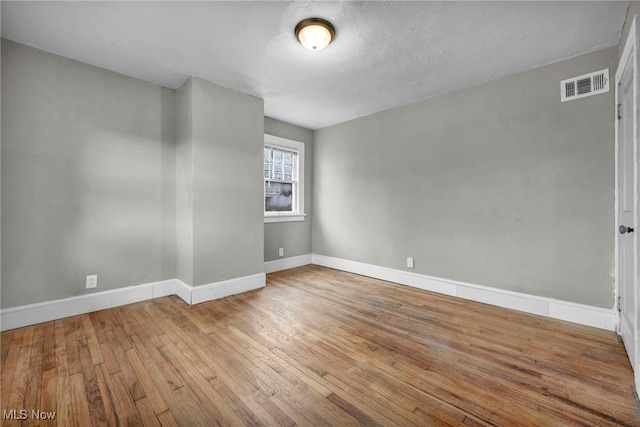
x,y
283,179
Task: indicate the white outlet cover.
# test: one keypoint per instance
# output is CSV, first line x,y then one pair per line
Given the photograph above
x,y
92,281
409,262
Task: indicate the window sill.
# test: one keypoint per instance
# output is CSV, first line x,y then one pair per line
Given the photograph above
x,y
284,218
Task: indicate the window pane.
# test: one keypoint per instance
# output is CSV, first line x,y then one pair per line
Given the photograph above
x,y
278,196
277,157
272,188
280,164
288,158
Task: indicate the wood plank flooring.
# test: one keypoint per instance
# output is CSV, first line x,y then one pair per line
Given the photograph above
x,y
316,347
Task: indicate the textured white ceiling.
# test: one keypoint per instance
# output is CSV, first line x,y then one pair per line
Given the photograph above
x,y
385,54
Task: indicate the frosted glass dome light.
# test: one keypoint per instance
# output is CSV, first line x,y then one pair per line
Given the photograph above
x,y
315,33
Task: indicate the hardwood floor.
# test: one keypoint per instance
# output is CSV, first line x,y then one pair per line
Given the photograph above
x,y
316,347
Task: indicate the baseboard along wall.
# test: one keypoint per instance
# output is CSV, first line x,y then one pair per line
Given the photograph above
x,y
548,307
31,314
287,263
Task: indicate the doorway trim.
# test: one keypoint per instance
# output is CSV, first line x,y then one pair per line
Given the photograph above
x,y
630,52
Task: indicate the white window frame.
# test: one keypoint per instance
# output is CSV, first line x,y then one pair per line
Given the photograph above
x,y
298,208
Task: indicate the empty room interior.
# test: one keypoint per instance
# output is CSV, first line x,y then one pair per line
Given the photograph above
x,y
303,213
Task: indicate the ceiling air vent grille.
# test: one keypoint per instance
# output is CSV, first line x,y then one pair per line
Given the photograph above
x,y
585,85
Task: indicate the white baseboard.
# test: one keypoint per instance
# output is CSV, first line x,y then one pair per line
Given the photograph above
x,y
163,289
183,290
557,309
286,263
226,288
31,314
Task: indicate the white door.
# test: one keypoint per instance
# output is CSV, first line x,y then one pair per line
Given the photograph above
x,y
626,199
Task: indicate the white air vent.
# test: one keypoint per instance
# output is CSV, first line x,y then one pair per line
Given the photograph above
x,y
585,85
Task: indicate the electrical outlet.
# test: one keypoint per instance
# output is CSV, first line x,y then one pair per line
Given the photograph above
x,y
281,252
409,262
92,281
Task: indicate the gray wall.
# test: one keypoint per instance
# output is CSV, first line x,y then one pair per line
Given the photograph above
x,y
293,237
499,184
184,184
109,175
227,142
87,178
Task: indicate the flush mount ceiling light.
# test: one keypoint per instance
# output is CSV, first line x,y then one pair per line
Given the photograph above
x,y
315,33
